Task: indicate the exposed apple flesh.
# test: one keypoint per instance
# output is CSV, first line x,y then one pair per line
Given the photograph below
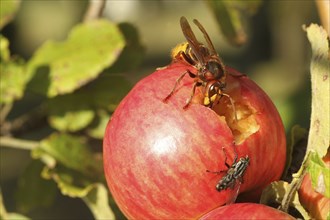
x,y
156,154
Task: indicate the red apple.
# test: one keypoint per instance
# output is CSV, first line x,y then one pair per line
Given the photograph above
x,y
246,211
317,205
156,153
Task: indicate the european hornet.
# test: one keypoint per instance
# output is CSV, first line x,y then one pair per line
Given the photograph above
x,y
210,70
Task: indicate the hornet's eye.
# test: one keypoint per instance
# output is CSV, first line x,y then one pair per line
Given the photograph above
x,y
215,69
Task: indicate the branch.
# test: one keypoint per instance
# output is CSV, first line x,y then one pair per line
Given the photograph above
x,y
4,112
24,122
94,10
18,143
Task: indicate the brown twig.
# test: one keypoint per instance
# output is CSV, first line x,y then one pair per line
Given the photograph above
x,y
323,7
24,122
94,10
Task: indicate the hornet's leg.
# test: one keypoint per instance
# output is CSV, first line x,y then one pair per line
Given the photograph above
x,y
232,104
175,85
192,94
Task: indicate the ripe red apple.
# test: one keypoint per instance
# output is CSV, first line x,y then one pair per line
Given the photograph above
x,y
156,153
246,211
317,205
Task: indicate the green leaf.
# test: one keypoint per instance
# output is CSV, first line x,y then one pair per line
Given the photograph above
x,y
73,112
98,202
4,49
90,48
70,112
4,215
12,82
318,138
275,192
108,91
12,216
71,152
133,52
31,189
97,128
8,9
229,17
70,182
320,174
12,74
70,163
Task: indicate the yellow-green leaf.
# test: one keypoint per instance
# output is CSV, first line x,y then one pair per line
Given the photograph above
x,y
12,74
73,112
98,202
133,52
4,215
97,128
90,48
70,112
320,174
4,49
69,182
31,189
108,90
318,138
275,192
72,152
8,9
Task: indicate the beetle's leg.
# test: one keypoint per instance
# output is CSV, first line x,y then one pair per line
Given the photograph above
x,y
192,94
227,165
232,104
235,158
216,172
240,178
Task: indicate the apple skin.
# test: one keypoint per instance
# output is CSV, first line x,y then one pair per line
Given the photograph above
x,y
156,154
317,205
246,211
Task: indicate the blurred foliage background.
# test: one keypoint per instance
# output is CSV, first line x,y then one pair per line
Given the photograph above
x,y
48,40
